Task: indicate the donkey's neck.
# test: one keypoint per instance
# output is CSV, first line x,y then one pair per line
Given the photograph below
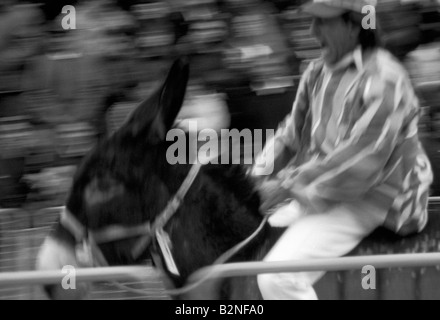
x,y
220,211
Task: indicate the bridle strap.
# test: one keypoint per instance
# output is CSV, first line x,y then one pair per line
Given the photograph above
x,y
175,203
116,233
106,235
169,210
69,222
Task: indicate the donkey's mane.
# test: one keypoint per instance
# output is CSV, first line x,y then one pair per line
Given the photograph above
x,y
235,179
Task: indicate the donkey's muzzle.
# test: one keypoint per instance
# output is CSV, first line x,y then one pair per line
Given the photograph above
x,y
57,255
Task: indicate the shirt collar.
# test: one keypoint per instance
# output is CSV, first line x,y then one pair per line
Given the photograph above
x,y
354,57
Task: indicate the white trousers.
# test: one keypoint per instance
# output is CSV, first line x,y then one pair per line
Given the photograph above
x,y
323,235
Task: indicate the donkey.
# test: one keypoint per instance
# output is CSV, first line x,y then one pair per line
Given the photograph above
x,y
125,182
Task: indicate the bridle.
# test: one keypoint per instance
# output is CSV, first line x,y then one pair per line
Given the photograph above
x,y
87,248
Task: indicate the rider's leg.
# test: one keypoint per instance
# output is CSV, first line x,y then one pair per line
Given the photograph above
x,y
324,235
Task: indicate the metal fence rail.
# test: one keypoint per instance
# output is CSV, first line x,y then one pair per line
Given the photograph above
x,y
136,274
208,290
338,264
214,273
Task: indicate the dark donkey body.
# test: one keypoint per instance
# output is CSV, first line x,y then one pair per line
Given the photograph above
x,y
127,181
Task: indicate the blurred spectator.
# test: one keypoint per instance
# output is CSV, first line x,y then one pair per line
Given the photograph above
x,y
52,8
400,23
424,67
205,107
83,65
51,184
156,32
21,34
257,49
102,123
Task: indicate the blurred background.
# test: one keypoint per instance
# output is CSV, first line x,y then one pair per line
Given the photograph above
x,y
63,90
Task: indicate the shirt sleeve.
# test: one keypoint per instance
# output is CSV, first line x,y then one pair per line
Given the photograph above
x,y
358,163
288,134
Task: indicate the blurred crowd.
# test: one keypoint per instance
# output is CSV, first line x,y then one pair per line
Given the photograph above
x,y
61,90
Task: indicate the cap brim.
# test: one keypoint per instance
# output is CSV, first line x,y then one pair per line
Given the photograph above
x,y
321,10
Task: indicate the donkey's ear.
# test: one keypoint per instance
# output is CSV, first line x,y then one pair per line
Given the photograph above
x,y
156,115
173,92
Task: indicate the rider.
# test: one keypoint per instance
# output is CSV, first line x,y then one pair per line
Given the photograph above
x,y
354,159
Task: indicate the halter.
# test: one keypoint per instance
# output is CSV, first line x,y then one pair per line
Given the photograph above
x,y
88,252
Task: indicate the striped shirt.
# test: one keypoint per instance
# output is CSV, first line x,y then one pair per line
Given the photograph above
x,y
354,132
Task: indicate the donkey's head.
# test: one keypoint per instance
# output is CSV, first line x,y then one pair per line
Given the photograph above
x,y
119,187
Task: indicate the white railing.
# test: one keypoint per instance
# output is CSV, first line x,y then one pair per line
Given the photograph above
x,y
110,274
232,270
208,289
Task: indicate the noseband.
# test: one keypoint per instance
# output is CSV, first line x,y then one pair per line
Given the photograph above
x,y
87,241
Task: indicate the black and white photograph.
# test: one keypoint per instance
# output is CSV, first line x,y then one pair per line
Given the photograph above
x,y
230,151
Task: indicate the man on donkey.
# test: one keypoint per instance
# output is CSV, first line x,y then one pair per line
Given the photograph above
x,y
349,153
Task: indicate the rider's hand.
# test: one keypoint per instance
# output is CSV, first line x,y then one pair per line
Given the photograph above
x,y
272,195
311,200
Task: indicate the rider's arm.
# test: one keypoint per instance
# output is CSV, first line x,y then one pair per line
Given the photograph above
x,y
287,139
